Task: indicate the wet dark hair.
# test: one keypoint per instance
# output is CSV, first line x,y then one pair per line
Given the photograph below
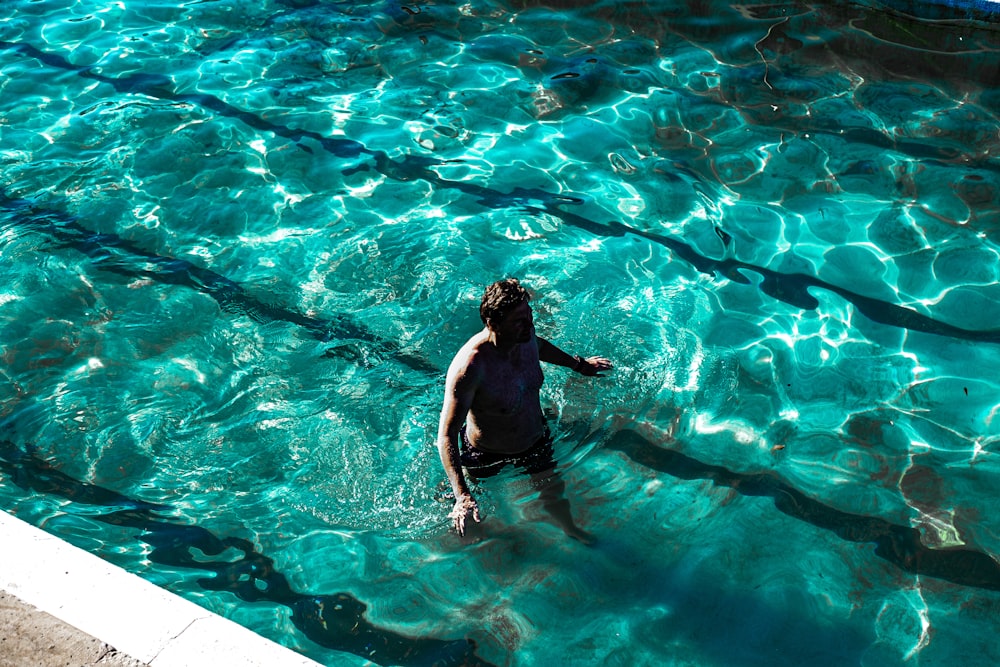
x,y
500,298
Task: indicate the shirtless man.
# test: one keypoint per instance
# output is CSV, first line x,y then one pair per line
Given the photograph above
x,y
492,413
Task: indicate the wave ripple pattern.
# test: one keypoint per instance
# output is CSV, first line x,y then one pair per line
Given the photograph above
x,y
240,243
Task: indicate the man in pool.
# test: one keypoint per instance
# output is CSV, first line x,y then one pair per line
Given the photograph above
x,y
492,413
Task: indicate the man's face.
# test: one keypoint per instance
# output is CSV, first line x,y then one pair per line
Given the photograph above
x,y
517,325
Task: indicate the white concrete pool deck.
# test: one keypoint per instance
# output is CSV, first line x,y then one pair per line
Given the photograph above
x,y
120,609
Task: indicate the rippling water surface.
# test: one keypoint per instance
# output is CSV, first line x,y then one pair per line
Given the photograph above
x,y
241,241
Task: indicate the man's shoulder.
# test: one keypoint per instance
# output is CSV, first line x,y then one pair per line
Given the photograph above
x,y
473,354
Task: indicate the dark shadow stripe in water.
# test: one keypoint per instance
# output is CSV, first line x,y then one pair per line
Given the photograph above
x,y
159,86
336,621
111,252
899,545
790,288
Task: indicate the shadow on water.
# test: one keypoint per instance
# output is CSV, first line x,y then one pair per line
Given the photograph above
x,y
740,628
898,545
112,253
790,288
335,621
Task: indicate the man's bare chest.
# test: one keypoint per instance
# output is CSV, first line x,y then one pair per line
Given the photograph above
x,y
508,389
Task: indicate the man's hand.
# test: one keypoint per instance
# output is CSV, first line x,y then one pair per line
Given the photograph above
x,y
465,506
592,366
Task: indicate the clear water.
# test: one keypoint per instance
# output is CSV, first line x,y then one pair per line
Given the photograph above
x,y
241,241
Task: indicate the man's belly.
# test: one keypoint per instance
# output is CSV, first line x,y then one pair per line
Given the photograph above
x,y
501,436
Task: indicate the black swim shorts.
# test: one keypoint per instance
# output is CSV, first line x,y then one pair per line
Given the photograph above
x,y
538,458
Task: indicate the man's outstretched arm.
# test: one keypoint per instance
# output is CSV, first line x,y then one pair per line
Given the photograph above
x,y
590,366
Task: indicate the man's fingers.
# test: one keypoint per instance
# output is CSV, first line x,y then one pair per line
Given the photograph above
x,y
594,366
601,364
461,512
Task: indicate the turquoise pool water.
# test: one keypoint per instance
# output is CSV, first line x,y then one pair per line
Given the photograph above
x,y
241,241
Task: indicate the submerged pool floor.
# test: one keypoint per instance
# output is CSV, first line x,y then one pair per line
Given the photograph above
x,y
241,242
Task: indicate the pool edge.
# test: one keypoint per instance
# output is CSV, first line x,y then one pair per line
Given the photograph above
x,y
123,610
